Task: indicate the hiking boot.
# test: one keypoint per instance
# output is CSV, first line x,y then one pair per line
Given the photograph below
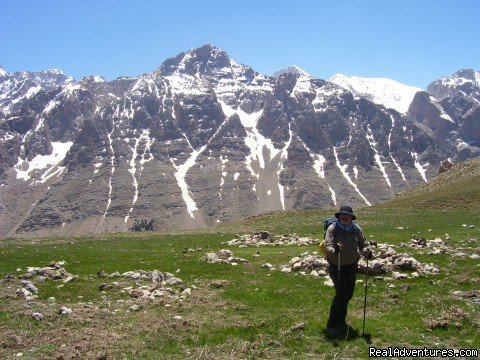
x,y
332,331
344,328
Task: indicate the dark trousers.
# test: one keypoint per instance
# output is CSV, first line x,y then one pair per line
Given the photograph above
x,y
344,287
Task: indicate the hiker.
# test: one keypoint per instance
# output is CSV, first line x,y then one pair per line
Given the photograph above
x,y
344,241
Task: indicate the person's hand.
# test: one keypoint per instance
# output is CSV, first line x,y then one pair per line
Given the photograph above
x,y
368,254
339,246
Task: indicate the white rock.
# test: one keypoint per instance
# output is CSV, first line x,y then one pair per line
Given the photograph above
x,y
65,311
29,286
267,266
294,260
135,307
24,293
328,281
397,275
187,292
286,270
314,273
178,317
474,257
37,316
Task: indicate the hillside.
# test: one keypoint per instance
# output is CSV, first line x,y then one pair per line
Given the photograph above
x,y
458,188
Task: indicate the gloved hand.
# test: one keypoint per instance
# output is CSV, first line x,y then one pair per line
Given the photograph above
x,y
367,253
338,247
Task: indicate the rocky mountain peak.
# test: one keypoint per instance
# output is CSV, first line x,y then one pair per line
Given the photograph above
x,y
3,72
463,83
292,69
205,60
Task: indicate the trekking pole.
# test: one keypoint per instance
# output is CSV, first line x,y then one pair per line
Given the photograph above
x,y
367,337
338,286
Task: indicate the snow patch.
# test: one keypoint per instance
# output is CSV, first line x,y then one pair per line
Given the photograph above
x,y
332,193
283,156
24,168
390,148
383,91
421,168
377,156
112,163
318,163
343,170
443,114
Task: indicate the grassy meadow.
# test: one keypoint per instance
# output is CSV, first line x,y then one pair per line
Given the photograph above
x,y
256,313
245,311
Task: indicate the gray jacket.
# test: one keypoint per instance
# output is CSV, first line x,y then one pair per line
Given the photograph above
x,y
353,245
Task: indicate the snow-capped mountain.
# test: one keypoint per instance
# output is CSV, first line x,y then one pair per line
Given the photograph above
x,y
204,139
464,83
17,87
382,91
292,69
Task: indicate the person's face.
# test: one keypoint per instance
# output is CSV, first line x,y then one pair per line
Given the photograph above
x,y
345,219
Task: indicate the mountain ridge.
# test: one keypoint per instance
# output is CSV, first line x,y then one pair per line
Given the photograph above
x,y
203,139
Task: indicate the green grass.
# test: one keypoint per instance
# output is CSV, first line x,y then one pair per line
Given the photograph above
x,y
252,315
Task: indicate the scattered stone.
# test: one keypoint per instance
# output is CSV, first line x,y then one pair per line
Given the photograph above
x,y
223,256
328,281
115,275
136,294
187,292
65,311
25,294
135,307
470,295
267,266
219,283
37,316
474,257
105,286
29,286
264,238
397,276
388,260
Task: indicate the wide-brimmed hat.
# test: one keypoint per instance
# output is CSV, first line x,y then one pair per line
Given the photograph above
x,y
345,210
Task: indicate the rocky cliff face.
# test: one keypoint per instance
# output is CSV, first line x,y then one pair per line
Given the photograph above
x,y
451,112
203,140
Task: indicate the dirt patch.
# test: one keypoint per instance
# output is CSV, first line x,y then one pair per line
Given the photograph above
x,y
451,317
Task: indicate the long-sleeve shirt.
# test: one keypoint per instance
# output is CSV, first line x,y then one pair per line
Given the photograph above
x,y
353,243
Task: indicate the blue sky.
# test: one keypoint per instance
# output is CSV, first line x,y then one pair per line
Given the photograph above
x,y
414,42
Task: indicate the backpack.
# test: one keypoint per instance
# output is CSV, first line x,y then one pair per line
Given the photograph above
x,y
326,224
